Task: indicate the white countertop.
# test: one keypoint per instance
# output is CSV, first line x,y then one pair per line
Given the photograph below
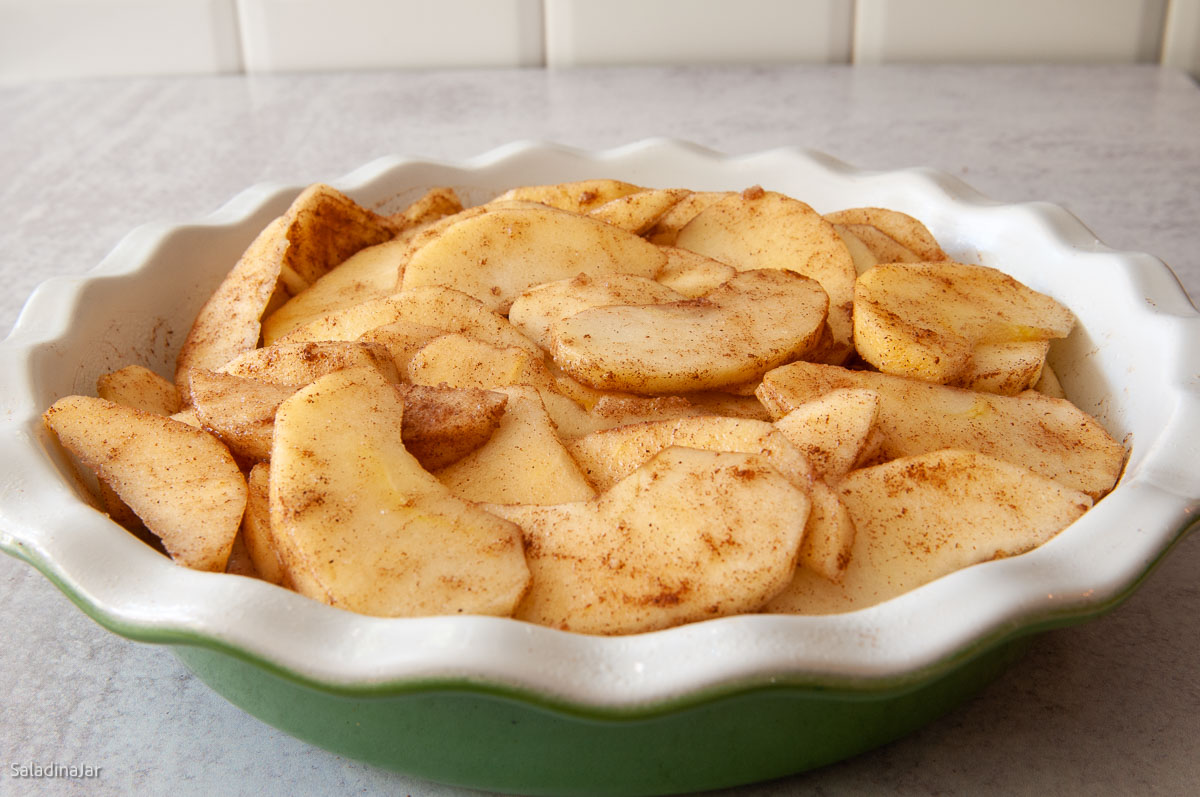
x,y
1111,707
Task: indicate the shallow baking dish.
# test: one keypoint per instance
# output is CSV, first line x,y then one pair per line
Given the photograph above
x,y
499,704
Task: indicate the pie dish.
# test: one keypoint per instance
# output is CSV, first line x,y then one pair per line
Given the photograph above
x,y
498,704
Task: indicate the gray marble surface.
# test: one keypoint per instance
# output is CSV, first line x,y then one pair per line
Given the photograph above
x,y
1111,707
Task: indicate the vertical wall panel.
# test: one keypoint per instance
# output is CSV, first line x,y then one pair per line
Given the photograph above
x,y
597,32
48,39
1047,31
290,35
1181,39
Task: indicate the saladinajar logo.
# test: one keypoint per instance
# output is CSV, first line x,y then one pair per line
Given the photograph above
x,y
35,770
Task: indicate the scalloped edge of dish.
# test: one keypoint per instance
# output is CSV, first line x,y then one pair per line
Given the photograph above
x,y
878,649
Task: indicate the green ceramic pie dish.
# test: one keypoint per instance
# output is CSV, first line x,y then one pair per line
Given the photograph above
x,y
498,704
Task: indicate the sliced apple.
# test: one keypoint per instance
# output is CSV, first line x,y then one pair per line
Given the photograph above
x,y
434,204
402,339
691,273
441,424
832,430
759,229
181,481
1048,383
321,228
639,211
881,247
1050,436
862,255
603,402
444,424
754,322
522,463
138,386
362,526
920,518
460,361
571,419
438,307
608,456
580,196
238,410
326,227
929,320
495,256
370,273
256,528
829,534
690,535
230,322
536,309
239,562
715,402
666,229
1005,368
904,230
301,363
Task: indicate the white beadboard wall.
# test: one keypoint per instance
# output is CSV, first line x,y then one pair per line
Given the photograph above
x,y
1181,37
615,32
296,35
48,39
57,39
1057,31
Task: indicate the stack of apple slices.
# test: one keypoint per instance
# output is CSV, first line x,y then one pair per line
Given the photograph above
x,y
601,407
